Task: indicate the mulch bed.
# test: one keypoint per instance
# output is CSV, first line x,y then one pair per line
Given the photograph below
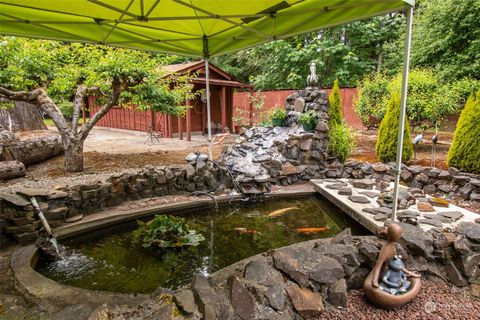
x,y
436,300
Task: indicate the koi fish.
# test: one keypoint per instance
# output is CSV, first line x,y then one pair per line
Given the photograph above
x,y
311,230
246,231
280,212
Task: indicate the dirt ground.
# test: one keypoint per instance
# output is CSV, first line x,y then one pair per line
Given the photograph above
x,y
108,150
365,150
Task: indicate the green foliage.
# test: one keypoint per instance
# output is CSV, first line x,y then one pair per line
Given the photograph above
x,y
372,92
386,146
61,68
66,108
428,99
341,141
446,37
465,150
309,120
278,113
345,52
335,113
166,232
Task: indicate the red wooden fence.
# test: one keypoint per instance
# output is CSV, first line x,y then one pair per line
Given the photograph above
x,y
278,98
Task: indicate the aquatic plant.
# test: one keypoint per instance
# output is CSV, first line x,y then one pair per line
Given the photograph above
x,y
166,232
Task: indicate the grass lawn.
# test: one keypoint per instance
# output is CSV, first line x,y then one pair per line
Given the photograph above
x,y
49,122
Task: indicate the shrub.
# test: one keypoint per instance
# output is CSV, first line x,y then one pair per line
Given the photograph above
x,y
167,232
428,99
386,146
342,141
278,113
335,113
465,150
66,108
308,119
372,92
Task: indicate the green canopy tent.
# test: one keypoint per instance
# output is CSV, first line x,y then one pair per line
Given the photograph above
x,y
198,28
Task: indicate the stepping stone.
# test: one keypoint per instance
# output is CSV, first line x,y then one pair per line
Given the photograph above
x,y
437,217
439,202
370,194
408,213
336,186
359,199
452,215
363,183
432,222
425,207
345,191
381,210
380,217
75,218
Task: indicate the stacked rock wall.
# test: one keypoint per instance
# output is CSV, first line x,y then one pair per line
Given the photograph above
x,y
302,280
18,220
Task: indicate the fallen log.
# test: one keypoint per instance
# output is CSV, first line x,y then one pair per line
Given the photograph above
x,y
11,169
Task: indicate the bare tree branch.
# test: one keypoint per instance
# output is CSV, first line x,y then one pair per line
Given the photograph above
x,y
27,96
77,104
112,101
39,98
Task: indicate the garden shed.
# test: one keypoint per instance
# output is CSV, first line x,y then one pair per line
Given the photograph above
x,y
222,86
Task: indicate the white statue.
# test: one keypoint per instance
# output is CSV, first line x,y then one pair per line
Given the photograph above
x,y
312,79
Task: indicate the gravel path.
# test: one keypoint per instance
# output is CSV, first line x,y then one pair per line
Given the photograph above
x,y
435,301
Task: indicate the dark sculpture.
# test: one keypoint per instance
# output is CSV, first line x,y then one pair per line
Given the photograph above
x,y
394,276
394,280
312,79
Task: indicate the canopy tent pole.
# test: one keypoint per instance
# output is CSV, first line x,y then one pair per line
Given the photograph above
x,y
403,106
209,120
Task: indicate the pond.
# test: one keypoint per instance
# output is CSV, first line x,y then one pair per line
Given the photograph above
x,y
113,261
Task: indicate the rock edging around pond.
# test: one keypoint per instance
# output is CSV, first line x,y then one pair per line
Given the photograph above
x,y
301,280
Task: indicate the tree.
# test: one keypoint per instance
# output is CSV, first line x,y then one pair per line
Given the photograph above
x,y
47,73
335,113
347,52
445,38
465,150
386,146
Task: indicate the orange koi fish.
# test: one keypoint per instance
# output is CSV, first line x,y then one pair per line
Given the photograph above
x,y
311,230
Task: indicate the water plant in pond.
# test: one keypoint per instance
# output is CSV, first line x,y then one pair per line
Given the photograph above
x,y
167,232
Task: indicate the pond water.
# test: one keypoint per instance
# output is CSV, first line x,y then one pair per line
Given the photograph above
x,y
113,261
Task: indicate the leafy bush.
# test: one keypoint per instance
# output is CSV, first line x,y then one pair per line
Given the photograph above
x,y
465,150
372,92
386,146
308,119
167,232
66,108
335,113
428,99
342,141
278,113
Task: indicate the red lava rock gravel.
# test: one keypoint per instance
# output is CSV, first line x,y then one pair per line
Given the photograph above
x,y
435,301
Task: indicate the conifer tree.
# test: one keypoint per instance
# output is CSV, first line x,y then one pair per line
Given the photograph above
x,y
386,146
465,150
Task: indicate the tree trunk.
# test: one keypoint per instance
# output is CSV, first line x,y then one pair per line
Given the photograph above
x,y
23,117
11,169
73,155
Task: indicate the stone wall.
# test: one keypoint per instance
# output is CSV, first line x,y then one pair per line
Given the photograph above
x,y
302,280
19,221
